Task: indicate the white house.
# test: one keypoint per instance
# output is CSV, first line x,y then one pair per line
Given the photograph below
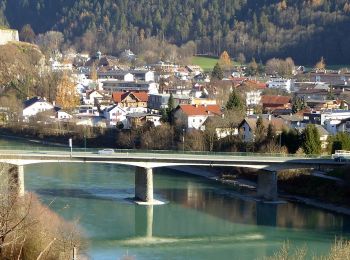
x,y
35,105
92,97
62,115
123,86
253,98
58,66
115,115
280,83
332,119
194,116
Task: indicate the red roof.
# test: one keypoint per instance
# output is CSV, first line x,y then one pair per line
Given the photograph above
x,y
141,96
120,96
202,110
275,100
256,84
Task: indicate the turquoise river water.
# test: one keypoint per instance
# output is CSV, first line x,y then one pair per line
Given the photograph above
x,y
200,219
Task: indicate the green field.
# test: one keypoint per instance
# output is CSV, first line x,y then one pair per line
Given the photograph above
x,y
206,63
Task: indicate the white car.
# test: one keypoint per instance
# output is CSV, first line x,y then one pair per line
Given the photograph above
x,y
106,151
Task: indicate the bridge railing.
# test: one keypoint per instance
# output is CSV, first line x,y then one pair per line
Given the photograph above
x,y
43,149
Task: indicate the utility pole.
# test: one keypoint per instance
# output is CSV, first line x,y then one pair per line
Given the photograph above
x,y
183,140
71,147
75,253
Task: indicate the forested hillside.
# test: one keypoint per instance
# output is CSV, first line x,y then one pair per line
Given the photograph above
x,y
302,29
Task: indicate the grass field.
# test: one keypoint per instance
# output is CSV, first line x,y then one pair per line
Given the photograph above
x,y
206,63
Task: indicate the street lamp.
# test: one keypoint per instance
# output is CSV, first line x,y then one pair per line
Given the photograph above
x,y
85,138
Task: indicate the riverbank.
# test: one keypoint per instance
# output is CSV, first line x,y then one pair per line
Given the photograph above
x,y
216,175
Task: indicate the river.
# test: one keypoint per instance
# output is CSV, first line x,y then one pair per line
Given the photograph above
x,y
201,219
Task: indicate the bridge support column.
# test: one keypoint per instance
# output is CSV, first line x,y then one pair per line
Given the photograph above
x,y
144,184
267,185
16,179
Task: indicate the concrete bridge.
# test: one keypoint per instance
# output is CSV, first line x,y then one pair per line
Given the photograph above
x,y
145,162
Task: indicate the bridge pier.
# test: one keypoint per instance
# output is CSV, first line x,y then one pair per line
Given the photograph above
x,y
267,185
144,184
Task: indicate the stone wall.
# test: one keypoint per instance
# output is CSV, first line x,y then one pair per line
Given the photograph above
x,y
7,35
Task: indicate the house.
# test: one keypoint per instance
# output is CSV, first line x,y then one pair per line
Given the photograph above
x,y
158,101
203,101
8,35
93,97
130,99
330,77
115,75
272,102
115,116
35,105
62,115
327,104
194,69
324,134
124,86
143,75
332,119
248,126
293,121
253,98
280,83
128,55
135,120
58,66
194,116
222,128
86,110
344,126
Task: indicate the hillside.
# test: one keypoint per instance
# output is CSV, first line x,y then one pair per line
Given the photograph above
x,y
302,29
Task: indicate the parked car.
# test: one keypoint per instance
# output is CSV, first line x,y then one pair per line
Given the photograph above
x,y
106,151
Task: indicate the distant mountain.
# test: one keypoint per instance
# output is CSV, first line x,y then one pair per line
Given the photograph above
x,y
302,29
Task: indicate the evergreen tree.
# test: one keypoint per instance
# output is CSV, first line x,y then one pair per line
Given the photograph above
x,y
291,139
311,140
271,133
341,141
260,134
217,72
298,104
170,109
234,101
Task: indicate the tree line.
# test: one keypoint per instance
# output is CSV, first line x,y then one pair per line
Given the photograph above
x,y
302,29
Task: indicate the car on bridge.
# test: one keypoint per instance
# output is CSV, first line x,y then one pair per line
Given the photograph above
x,y
106,151
341,156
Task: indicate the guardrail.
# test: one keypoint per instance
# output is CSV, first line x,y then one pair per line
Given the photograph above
x,y
135,151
